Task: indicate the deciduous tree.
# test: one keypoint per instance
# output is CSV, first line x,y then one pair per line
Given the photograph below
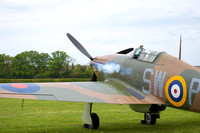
x,y
57,63
5,66
24,64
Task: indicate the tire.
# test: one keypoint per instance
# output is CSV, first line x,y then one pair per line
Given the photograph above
x,y
150,119
95,121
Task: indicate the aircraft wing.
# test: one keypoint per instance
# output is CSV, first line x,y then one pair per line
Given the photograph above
x,y
90,92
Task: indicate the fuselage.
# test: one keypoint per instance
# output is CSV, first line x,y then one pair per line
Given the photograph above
x,y
171,80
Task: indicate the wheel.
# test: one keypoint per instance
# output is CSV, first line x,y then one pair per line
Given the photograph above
x,y
95,122
142,122
150,119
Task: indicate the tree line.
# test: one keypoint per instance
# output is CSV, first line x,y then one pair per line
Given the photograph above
x,y
32,64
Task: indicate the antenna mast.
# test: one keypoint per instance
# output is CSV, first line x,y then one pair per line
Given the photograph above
x,y
180,47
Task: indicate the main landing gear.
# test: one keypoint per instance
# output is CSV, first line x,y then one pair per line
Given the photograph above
x,y
92,119
152,113
150,119
95,122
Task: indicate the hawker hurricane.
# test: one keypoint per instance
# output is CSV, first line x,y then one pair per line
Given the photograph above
x,y
147,81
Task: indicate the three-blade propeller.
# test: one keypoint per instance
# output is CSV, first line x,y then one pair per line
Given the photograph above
x,y
84,51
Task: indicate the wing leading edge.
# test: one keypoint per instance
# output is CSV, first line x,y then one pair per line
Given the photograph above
x,y
92,92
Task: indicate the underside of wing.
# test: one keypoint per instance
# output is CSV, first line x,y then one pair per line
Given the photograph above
x,y
91,92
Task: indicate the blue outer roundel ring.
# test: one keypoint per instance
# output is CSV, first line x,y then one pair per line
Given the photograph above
x,y
176,82
30,88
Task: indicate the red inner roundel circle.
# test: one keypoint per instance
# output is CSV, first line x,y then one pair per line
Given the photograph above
x,y
19,86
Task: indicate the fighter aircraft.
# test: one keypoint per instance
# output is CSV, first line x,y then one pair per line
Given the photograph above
x,y
147,81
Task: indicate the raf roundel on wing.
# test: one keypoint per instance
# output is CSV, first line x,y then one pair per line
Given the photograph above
x,y
21,88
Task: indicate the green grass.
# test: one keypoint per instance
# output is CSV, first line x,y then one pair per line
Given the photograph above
x,y
53,116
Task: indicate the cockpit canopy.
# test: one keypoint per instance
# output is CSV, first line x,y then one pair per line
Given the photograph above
x,y
145,55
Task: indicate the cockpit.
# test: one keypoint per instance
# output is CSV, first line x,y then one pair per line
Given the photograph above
x,y
145,55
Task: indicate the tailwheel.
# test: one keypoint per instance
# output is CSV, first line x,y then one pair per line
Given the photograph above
x,y
149,119
95,122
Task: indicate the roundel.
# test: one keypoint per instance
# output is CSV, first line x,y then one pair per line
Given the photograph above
x,y
176,90
21,88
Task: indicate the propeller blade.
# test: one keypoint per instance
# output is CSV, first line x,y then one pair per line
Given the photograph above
x,y
126,51
94,77
79,46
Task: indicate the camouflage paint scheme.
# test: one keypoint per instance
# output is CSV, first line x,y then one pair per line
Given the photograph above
x,y
138,83
150,79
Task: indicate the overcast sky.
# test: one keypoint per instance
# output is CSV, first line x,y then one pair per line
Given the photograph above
x,y
101,26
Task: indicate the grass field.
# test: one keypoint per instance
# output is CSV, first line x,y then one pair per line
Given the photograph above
x,y
53,116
